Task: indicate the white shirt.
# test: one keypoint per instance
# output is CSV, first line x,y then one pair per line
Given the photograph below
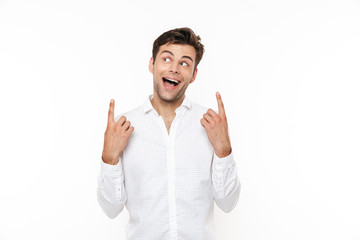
x,y
168,181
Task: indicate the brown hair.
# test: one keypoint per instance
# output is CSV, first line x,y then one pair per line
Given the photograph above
x,y
180,36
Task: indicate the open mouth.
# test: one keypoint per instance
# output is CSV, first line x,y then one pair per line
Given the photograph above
x,y
170,83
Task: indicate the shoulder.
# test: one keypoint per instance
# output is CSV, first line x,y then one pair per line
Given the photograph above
x,y
198,109
132,114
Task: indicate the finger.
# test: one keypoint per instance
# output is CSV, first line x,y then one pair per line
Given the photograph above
x,y
130,130
204,123
121,121
208,118
212,113
220,104
111,111
126,125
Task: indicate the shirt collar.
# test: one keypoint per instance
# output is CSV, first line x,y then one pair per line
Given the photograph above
x,y
148,106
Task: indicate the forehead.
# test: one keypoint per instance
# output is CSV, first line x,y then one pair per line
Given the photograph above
x,y
179,50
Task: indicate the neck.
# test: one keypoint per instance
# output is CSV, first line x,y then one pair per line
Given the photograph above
x,y
165,108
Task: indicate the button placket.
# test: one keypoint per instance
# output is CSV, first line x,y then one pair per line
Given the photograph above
x,y
171,179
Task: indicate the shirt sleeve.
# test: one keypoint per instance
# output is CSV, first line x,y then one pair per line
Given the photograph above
x,y
226,185
111,194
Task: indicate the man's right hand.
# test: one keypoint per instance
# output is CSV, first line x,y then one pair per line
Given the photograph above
x,y
116,137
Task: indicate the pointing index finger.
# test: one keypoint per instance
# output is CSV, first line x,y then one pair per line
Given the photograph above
x,y
220,104
111,111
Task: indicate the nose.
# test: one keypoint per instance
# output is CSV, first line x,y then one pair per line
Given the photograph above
x,y
174,68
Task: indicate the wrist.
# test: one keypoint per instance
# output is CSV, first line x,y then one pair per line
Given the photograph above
x,y
110,161
223,153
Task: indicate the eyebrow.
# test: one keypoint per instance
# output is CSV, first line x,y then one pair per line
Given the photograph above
x,y
166,51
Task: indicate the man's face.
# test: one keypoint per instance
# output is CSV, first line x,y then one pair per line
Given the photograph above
x,y
173,71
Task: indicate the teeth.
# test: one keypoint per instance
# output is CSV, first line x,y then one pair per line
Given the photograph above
x,y
172,80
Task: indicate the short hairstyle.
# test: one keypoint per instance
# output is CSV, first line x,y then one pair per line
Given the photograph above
x,y
180,36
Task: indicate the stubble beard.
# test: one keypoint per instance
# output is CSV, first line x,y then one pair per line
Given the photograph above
x,y
178,96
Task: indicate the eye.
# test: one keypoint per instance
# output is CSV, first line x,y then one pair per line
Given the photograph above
x,y
166,59
184,64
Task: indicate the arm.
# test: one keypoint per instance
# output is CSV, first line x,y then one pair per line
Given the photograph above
x,y
111,193
226,185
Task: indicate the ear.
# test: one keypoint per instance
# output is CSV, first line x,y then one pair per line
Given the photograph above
x,y
151,65
194,75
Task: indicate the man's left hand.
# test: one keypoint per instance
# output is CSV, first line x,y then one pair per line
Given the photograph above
x,y
216,128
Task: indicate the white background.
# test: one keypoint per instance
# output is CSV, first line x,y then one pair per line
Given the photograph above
x,y
288,72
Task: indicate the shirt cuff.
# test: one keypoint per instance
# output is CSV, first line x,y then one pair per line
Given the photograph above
x,y
225,162
111,170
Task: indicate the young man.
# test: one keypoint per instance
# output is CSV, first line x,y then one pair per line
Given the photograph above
x,y
168,160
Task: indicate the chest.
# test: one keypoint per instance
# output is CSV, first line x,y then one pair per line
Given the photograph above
x,y
168,121
152,153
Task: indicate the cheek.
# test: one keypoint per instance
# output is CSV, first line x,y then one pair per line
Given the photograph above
x,y
190,75
158,68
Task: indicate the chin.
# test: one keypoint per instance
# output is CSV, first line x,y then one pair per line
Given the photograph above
x,y
168,98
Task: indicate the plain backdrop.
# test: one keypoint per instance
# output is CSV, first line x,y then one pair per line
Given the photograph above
x,y
288,72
